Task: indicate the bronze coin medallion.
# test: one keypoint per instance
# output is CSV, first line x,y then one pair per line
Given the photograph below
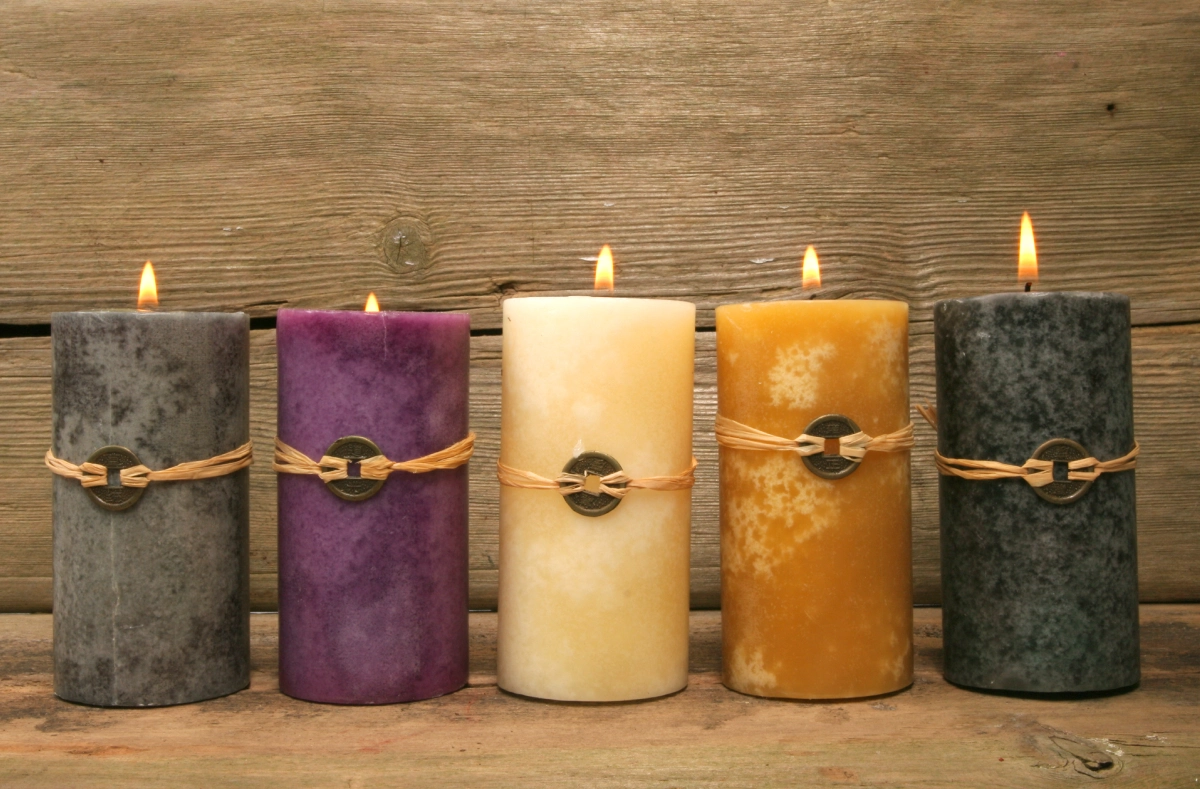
x,y
1062,450
830,466
109,496
589,465
354,449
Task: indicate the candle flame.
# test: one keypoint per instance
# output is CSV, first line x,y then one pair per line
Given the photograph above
x,y
147,290
604,270
811,272
1027,267
372,304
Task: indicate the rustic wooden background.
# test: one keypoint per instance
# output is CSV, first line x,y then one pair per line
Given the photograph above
x,y
447,155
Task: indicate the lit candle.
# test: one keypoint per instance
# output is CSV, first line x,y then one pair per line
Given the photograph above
x,y
372,572
816,561
151,583
594,588
1039,570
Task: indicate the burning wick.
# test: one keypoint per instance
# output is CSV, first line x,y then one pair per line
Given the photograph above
x,y
604,270
372,304
147,290
1027,265
810,273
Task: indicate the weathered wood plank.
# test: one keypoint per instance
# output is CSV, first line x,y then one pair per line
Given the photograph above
x,y
931,735
445,154
1167,375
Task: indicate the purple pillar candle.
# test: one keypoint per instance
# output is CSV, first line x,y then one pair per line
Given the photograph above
x,y
373,593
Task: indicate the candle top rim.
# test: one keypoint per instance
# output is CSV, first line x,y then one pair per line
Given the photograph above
x,y
601,298
812,301
1039,294
135,311
360,311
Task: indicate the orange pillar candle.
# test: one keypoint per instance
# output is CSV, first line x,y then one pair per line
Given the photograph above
x,y
816,573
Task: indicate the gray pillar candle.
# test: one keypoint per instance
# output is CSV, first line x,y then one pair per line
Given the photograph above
x,y
151,603
1037,596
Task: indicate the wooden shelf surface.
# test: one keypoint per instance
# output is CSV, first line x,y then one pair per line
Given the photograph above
x,y
932,734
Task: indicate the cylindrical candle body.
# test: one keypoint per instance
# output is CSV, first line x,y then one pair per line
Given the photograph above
x,y
1037,596
373,593
595,608
151,603
816,574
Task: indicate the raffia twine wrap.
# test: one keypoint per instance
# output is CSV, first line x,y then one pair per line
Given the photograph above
x,y
617,484
1038,473
93,475
853,447
289,460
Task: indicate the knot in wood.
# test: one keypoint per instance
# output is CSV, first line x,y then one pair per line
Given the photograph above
x,y
405,246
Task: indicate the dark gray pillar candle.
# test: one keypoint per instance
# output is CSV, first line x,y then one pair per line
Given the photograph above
x,y
151,604
1037,596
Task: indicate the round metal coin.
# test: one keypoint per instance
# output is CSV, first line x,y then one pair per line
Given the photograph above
x,y
830,466
119,497
354,449
1062,450
590,464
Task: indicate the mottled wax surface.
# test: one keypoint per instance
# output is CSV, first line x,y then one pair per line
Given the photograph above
x,y
595,609
151,604
373,594
816,574
1037,597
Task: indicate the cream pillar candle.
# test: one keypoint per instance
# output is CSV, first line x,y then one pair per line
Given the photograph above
x,y
595,608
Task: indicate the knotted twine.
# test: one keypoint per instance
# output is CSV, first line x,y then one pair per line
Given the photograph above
x,y
289,460
853,447
616,484
94,475
1038,473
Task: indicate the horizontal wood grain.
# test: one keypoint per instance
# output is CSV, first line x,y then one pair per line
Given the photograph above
x,y
1166,375
930,735
272,153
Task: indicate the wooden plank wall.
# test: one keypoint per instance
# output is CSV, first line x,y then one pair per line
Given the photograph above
x,y
448,155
